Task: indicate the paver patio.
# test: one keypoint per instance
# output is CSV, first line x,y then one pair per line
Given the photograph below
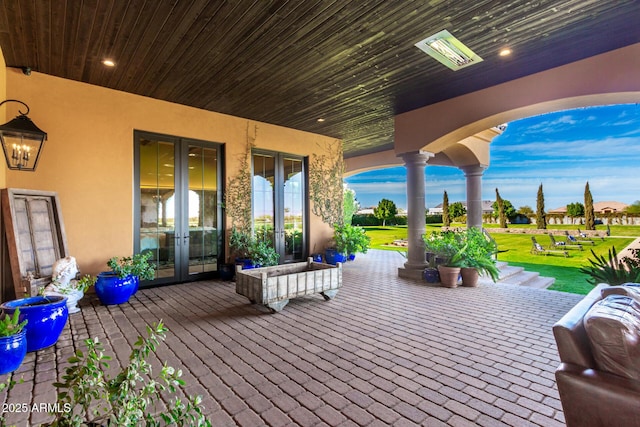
x,y
386,351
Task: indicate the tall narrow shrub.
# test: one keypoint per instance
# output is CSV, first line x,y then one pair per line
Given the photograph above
x,y
501,216
446,219
541,217
589,214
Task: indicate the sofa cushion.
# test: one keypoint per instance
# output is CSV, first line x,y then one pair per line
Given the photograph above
x,y
613,329
629,289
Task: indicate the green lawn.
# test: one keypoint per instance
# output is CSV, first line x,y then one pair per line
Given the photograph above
x,y
565,270
518,246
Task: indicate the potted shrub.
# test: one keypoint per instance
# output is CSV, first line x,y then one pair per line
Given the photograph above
x,y
13,342
478,257
240,245
46,316
119,284
448,247
262,254
348,240
129,398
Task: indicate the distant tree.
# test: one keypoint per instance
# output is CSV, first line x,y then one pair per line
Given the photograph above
x,y
633,208
589,214
386,210
446,219
541,216
509,211
500,206
575,210
525,210
457,210
349,205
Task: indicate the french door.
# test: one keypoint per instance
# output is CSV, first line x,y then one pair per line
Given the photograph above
x,y
178,205
279,203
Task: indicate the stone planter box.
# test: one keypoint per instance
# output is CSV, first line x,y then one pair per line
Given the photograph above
x,y
275,286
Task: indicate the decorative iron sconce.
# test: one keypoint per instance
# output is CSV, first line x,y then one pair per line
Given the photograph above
x,y
22,141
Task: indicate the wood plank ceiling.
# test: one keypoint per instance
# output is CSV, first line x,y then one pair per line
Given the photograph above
x,y
290,62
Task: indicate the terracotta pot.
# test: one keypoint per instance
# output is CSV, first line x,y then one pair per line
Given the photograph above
x,y
449,276
469,276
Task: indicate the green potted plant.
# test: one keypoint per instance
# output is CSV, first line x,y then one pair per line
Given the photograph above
x,y
447,248
46,314
119,284
262,254
13,342
240,245
477,257
351,240
91,397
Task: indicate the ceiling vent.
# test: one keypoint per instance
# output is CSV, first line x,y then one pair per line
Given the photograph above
x,y
448,50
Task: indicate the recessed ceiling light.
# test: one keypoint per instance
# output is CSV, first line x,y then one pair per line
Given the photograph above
x,y
109,63
448,50
505,52
320,120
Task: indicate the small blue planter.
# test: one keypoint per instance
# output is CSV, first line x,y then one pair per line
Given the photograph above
x,y
246,263
333,257
317,257
112,290
46,316
13,349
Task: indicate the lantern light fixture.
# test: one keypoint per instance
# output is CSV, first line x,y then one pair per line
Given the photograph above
x,y
22,141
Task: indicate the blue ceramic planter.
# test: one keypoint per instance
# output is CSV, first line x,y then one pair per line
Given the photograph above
x,y
317,257
112,290
46,316
246,263
333,257
136,284
13,349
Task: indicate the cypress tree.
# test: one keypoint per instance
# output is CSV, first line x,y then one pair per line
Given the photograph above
x,y
501,215
589,214
541,217
446,220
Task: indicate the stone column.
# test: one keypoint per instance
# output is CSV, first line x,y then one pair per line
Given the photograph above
x,y
474,194
415,163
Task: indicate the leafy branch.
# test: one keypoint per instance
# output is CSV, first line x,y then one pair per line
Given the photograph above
x,y
130,397
237,196
326,186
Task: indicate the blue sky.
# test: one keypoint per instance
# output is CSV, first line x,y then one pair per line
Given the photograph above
x,y
561,150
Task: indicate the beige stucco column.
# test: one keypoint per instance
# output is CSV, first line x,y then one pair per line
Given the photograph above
x,y
415,163
474,194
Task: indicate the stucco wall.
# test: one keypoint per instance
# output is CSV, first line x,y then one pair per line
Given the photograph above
x,y
88,157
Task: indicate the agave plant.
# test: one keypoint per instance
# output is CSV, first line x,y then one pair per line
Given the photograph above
x,y
612,270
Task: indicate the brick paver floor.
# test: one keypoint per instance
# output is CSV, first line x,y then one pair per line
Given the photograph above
x,y
385,352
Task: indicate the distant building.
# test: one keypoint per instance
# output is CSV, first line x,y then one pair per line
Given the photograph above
x,y
598,207
487,208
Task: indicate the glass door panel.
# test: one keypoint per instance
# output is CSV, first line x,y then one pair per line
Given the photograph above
x,y
293,209
263,197
178,206
279,203
202,206
157,203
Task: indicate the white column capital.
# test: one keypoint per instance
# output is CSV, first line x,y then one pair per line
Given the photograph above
x,y
474,170
419,157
